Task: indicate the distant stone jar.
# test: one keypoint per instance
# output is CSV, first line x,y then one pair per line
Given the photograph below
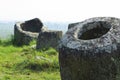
x,y
25,32
90,50
48,39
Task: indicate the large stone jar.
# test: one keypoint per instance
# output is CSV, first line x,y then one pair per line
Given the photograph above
x,y
90,50
25,32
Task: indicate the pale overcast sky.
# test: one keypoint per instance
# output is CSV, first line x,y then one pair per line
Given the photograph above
x,y
58,10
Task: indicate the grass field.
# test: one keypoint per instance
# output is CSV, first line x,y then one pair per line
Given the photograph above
x,y
25,63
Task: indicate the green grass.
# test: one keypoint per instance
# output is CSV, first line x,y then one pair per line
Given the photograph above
x,y
25,63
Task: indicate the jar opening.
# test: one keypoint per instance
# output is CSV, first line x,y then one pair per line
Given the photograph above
x,y
94,30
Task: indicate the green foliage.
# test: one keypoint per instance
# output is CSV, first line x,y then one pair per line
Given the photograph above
x,y
7,42
33,42
51,51
25,63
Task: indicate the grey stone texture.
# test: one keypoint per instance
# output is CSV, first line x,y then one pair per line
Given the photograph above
x,y
72,25
90,50
25,32
48,38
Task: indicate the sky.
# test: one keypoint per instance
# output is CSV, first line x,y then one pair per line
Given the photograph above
x,y
58,10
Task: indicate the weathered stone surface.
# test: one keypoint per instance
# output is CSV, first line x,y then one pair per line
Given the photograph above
x,y
72,25
91,50
48,38
24,32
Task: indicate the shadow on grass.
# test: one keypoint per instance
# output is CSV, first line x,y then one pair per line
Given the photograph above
x,y
37,66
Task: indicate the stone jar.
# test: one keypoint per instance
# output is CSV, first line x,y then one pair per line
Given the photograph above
x,y
90,50
25,32
47,39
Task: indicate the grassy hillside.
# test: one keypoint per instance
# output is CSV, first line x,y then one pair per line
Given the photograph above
x,y
25,63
